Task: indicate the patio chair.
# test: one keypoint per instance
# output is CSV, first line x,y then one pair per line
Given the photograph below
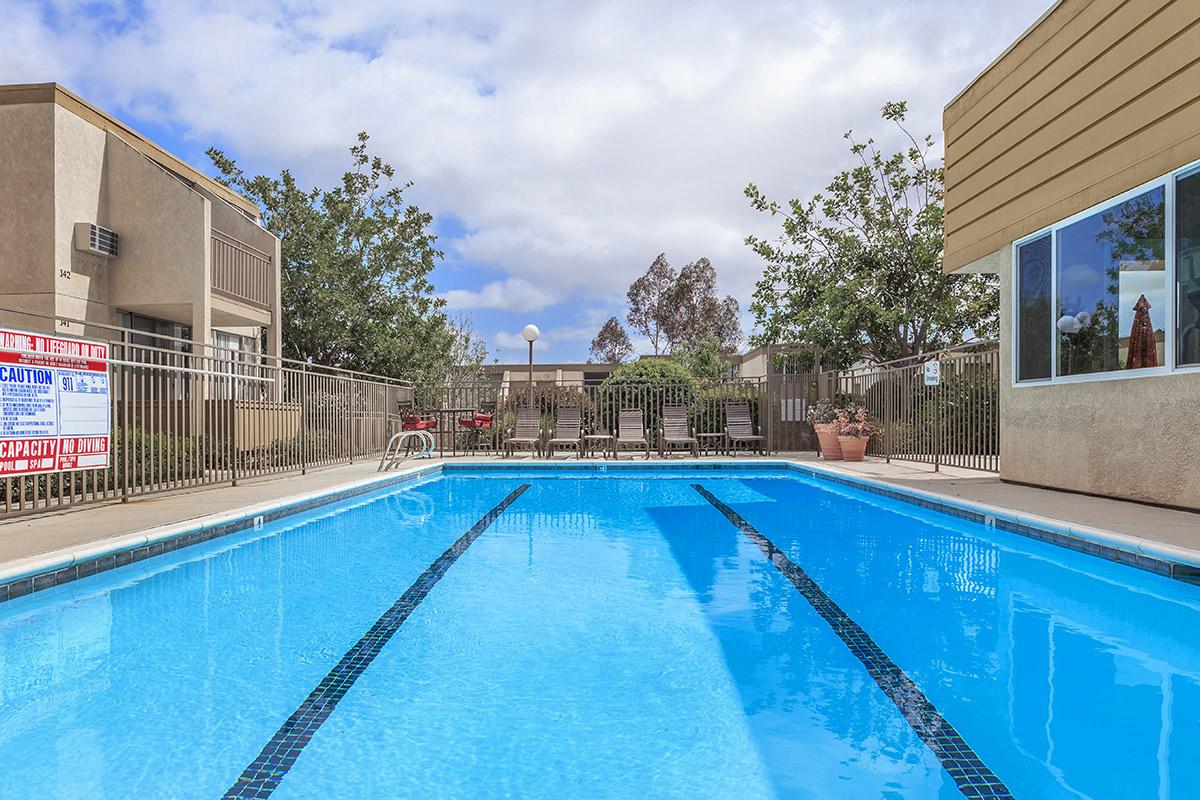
x,y
412,420
739,429
528,432
568,430
478,427
677,431
631,432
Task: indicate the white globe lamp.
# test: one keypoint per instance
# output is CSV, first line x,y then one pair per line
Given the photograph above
x,y
530,334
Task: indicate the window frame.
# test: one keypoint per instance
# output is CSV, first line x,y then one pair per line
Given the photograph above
x,y
1170,357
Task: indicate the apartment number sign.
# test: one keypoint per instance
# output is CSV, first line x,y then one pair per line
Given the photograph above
x,y
55,408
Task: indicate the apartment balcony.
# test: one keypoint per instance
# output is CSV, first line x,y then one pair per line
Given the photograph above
x,y
243,282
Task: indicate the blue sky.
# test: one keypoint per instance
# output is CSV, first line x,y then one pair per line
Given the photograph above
x,y
560,145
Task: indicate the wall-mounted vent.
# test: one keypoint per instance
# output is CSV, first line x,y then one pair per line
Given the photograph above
x,y
93,239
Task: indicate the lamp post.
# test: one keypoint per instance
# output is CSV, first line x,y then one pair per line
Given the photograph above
x,y
531,334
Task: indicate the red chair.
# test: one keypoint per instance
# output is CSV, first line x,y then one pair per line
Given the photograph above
x,y
413,421
475,427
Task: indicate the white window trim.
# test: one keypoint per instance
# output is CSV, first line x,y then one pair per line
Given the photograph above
x,y
1170,367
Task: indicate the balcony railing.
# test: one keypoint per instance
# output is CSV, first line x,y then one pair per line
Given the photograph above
x,y
240,271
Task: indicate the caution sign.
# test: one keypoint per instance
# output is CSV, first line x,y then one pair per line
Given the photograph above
x,y
55,409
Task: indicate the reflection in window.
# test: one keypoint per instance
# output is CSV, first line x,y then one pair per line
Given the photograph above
x,y
1033,310
1187,268
1112,293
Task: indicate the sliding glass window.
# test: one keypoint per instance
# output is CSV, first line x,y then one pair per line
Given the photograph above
x,y
1112,288
1033,310
1113,291
1187,270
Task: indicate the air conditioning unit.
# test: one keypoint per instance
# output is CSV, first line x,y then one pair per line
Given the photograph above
x,y
93,239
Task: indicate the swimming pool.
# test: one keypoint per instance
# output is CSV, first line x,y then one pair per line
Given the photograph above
x,y
652,633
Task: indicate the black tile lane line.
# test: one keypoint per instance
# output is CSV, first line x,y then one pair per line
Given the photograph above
x,y
973,778
263,775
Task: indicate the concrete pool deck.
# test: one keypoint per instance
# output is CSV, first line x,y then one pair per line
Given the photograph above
x,y
91,526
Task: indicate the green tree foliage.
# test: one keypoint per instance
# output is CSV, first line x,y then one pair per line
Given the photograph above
x,y
857,270
703,359
649,303
611,345
678,310
649,371
356,259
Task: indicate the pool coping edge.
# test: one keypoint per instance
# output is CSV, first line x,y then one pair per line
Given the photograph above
x,y
57,567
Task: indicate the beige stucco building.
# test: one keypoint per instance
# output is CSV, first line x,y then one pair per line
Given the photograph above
x,y
1073,172
190,256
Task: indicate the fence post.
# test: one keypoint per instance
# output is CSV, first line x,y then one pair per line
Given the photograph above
x,y
352,405
767,407
303,419
233,437
889,431
937,427
125,428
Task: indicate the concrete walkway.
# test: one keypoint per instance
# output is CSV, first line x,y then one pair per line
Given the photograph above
x,y
32,536
1165,526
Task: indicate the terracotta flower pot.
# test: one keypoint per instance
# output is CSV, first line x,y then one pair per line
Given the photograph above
x,y
853,447
831,449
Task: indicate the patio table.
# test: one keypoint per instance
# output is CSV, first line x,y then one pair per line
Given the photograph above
x,y
448,425
712,443
591,440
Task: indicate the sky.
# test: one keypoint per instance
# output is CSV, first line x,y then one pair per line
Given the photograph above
x,y
560,145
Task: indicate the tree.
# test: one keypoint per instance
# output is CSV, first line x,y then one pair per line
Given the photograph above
x,y
355,267
696,314
467,353
679,310
649,371
612,345
649,303
858,269
703,359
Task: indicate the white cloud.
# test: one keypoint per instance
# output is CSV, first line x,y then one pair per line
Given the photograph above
x,y
513,294
505,340
575,140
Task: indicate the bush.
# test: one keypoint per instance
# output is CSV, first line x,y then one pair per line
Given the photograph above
x,y
647,384
650,371
708,407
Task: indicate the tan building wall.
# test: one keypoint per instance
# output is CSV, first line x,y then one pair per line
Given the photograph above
x,y
27,208
1124,437
163,268
63,162
1098,97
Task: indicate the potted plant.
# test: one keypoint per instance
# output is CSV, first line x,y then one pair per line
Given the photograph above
x,y
854,428
822,415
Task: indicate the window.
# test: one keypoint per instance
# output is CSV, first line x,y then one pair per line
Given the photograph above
x,y
1033,310
155,329
1111,291
1187,270
1112,288
236,355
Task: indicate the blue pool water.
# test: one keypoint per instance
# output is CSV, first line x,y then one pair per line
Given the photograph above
x,y
616,635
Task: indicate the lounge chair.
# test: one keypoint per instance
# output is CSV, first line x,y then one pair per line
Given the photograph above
x,y
739,429
528,432
568,431
631,433
677,431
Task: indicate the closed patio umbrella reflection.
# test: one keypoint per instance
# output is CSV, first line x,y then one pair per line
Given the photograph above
x,y
1143,349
